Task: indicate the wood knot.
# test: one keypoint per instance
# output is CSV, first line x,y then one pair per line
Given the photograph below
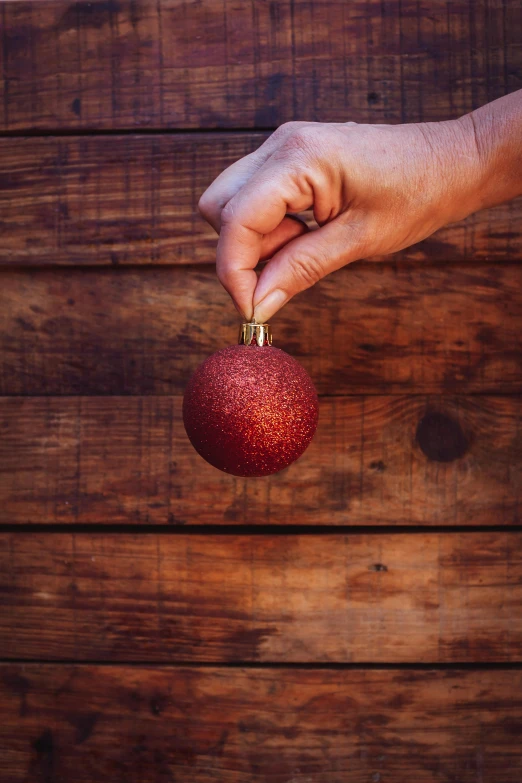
x,y
44,744
441,438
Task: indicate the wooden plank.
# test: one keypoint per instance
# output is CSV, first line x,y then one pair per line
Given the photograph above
x,y
368,328
120,200
374,461
146,725
133,200
381,598
202,64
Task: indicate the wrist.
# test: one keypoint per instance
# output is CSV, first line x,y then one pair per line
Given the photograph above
x,y
497,133
462,169
473,143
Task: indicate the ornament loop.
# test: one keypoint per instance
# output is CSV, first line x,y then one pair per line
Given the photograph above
x,y
255,334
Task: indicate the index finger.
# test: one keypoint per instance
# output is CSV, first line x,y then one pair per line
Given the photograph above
x,y
257,209
227,184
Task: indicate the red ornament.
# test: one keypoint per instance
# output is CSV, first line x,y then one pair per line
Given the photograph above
x,y
250,410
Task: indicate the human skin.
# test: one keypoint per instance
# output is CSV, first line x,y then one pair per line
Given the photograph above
x,y
374,189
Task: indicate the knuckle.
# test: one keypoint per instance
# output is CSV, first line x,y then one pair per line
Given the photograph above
x,y
285,130
223,273
205,205
303,139
228,213
308,270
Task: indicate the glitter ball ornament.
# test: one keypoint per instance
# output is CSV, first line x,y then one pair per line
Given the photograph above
x,y
250,409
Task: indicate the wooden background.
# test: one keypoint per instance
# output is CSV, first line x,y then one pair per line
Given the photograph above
x,y
354,619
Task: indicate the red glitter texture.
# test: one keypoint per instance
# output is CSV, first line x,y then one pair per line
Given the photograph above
x,y
250,410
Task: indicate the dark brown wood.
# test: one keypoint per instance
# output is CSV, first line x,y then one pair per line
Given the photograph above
x,y
121,200
374,461
158,725
397,598
133,200
368,328
109,64
390,346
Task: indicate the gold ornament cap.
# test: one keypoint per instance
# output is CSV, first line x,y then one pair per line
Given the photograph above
x,y
255,334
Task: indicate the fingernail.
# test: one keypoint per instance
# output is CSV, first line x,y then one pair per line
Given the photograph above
x,y
246,314
272,302
243,313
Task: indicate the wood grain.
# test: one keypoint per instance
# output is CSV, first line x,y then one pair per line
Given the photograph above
x,y
374,461
119,199
368,328
202,64
399,598
418,367
153,725
102,200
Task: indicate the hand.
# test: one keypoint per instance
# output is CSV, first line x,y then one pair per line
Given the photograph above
x,y
374,189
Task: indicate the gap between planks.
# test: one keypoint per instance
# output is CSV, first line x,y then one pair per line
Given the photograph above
x,y
85,132
282,665
88,528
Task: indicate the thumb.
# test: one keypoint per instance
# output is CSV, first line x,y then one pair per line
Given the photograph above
x,y
304,261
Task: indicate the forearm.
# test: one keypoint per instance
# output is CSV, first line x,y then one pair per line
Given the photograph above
x,y
495,130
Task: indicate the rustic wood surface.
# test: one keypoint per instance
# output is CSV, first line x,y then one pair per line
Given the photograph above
x,y
297,655
202,64
133,200
159,725
367,329
292,598
374,461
